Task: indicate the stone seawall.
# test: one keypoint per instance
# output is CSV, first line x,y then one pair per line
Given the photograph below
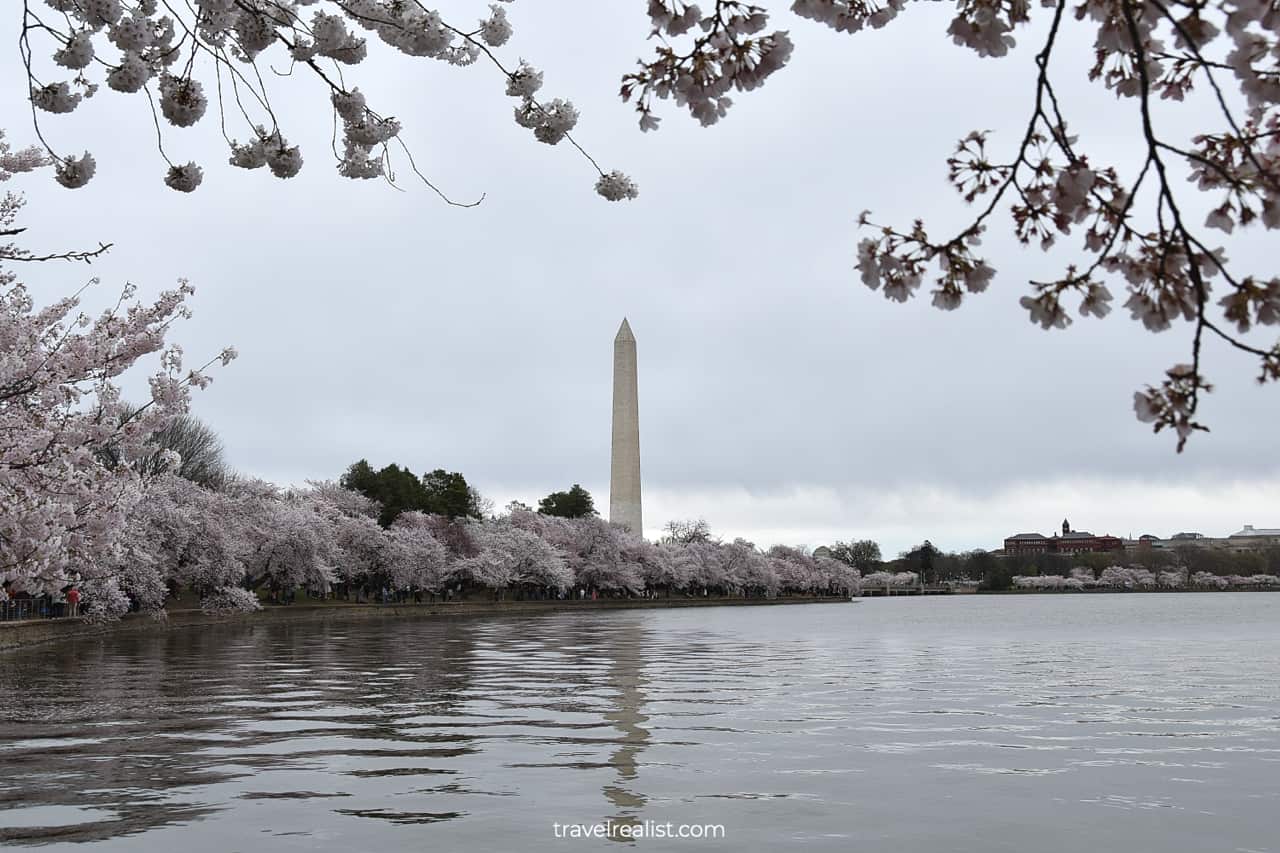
x,y
14,635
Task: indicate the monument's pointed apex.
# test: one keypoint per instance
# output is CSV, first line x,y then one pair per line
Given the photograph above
x,y
624,332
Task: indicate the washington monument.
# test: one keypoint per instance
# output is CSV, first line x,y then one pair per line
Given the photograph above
x,y
624,473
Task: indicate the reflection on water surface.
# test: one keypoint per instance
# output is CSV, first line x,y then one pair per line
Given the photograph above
x,y
1099,722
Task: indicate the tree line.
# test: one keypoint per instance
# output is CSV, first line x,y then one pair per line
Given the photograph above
x,y
248,541
195,525
446,493
998,572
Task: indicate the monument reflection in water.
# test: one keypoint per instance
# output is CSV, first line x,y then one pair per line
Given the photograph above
x,y
627,676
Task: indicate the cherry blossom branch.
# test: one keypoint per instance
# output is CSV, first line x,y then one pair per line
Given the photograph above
x,y
1191,42
237,32
86,255
1167,270
729,55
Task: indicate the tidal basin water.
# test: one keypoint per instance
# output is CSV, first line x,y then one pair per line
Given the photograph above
x,y
1137,722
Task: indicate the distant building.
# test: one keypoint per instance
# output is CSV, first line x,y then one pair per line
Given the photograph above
x,y
1254,537
1080,542
822,551
1145,542
1249,539
1149,542
1026,543
1070,542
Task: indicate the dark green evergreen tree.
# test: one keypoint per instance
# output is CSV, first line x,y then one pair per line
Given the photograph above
x,y
448,494
574,503
394,487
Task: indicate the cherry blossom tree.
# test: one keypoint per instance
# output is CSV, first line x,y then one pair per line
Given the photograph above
x,y
362,545
71,450
836,576
1085,575
794,568
230,599
1047,582
362,548
734,568
1257,580
884,578
346,501
60,406
16,162
179,533
746,570
416,558
286,543
705,567
598,558
104,600
1131,577
220,542
601,556
1137,577
1142,578
665,569
510,557
1208,580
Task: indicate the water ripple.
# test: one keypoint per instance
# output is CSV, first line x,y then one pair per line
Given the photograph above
x,y
1107,722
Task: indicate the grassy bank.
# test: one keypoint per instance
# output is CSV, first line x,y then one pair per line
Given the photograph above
x,y
15,635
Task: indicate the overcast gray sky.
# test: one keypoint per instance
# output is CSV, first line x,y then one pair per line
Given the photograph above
x,y
780,399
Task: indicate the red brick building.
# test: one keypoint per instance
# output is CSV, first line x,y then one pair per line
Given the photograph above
x,y
1070,542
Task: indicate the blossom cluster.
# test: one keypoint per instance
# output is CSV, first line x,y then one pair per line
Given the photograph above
x,y
147,44
1046,582
15,162
729,53
22,160
362,130
882,578
1208,580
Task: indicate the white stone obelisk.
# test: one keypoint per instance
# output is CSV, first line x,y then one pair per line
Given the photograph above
x,y
624,473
